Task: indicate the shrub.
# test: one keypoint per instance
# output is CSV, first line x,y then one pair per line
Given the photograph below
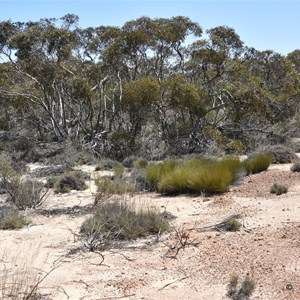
x,y
235,147
67,154
138,179
140,164
282,154
118,170
11,218
258,162
106,164
278,189
128,162
108,186
26,194
173,182
295,167
199,175
154,172
247,287
240,291
119,220
232,224
74,180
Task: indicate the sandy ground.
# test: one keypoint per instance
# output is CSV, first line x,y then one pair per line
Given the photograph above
x,y
267,248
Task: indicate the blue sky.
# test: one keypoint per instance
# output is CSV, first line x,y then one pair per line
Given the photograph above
x,y
262,24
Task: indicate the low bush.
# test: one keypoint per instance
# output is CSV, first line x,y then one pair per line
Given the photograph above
x,y
296,166
258,162
118,170
113,186
22,193
240,291
282,154
154,172
11,218
74,180
128,162
198,175
278,189
118,220
105,165
138,179
233,224
140,164
26,194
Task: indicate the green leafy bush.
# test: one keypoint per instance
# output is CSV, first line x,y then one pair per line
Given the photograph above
x,y
11,218
73,180
119,220
258,162
278,189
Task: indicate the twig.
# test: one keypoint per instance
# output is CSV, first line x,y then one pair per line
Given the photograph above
x,y
117,297
178,280
126,257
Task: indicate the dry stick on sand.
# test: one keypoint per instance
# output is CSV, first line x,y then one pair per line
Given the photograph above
x,y
168,284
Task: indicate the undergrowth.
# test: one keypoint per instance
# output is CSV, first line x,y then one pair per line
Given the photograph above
x,y
120,220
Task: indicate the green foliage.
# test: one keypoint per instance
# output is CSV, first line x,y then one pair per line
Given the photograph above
x,y
73,180
233,224
235,147
258,163
11,218
121,145
197,175
119,220
118,170
278,189
140,164
154,172
117,186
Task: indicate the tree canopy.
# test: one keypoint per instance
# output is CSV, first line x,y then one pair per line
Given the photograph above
x,y
152,83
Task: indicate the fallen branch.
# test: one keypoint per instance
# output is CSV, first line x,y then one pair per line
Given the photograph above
x,y
168,284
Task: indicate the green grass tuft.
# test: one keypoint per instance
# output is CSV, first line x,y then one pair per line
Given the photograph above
x,y
197,175
258,163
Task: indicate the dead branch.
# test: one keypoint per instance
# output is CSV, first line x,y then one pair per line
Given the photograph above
x,y
168,284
